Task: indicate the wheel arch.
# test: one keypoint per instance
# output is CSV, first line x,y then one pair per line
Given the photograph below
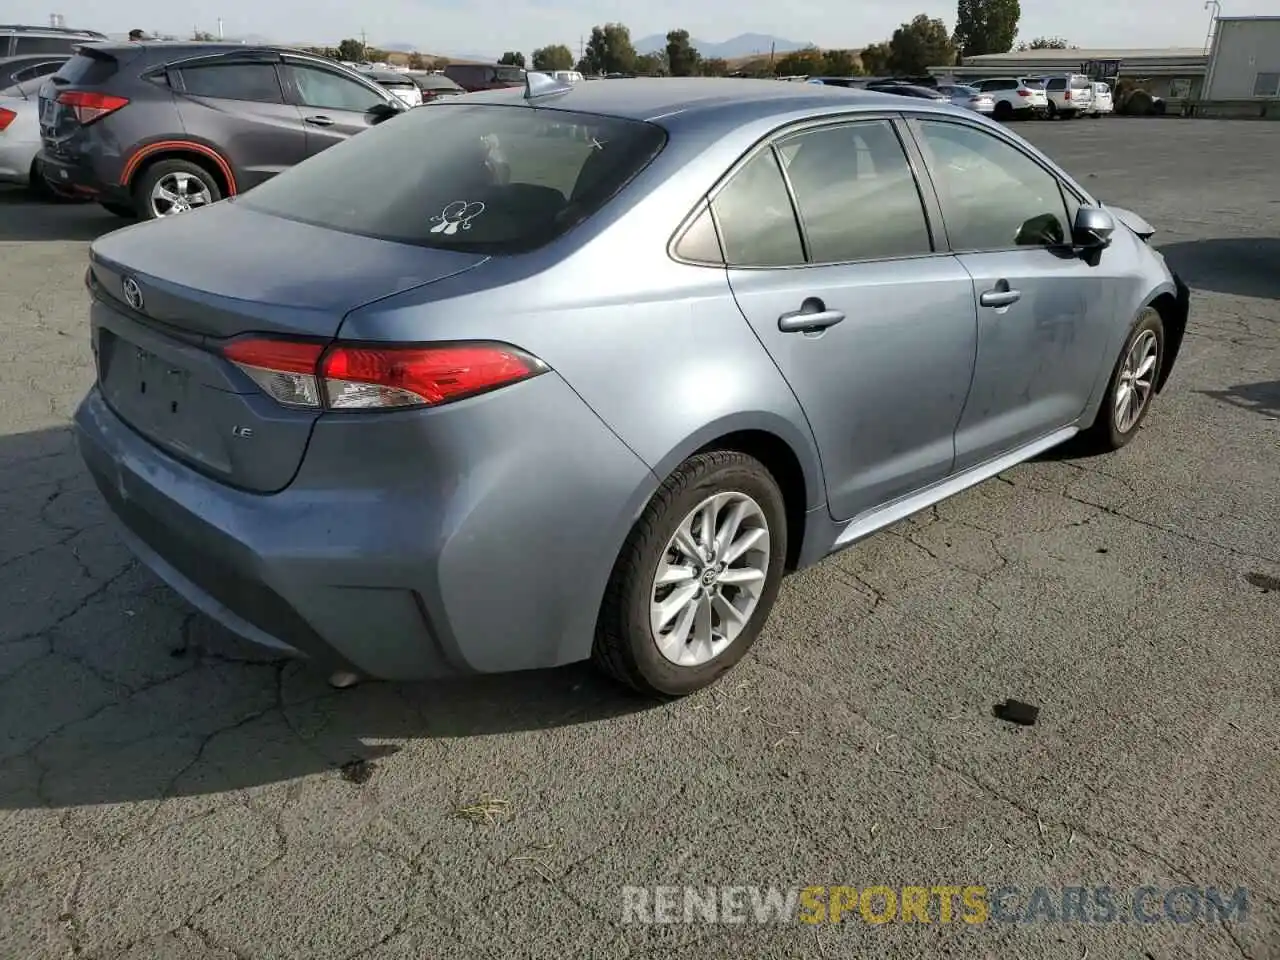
x,y
203,155
787,452
1174,308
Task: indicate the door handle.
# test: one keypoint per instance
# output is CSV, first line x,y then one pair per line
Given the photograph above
x,y
812,317
319,121
1001,296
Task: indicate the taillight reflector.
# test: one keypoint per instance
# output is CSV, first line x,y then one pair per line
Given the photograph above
x,y
6,117
89,106
1024,93
376,377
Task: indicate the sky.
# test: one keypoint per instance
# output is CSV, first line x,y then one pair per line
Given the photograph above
x,y
493,26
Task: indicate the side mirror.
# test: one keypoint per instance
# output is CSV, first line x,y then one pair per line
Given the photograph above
x,y
1093,228
385,111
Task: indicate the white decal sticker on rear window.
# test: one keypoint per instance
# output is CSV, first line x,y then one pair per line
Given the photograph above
x,y
457,216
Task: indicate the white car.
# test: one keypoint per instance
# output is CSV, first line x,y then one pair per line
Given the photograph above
x,y
20,79
1070,95
1103,102
1015,97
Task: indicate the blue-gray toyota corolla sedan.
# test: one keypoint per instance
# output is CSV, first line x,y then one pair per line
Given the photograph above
x,y
544,375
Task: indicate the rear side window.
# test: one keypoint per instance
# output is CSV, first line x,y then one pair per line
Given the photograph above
x,y
234,81
84,70
857,195
44,45
464,73
1056,85
24,81
757,223
488,178
510,74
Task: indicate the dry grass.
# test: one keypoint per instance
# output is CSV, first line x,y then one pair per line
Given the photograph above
x,y
485,810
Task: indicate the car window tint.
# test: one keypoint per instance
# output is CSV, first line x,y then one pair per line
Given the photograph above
x,y
994,197
24,80
325,89
700,243
487,178
234,81
857,196
757,223
43,44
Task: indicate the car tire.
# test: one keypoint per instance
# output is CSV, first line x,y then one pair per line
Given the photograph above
x,y
1003,111
119,209
144,209
692,648
1053,110
1113,428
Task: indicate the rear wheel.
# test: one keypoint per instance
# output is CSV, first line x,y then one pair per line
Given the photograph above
x,y
171,187
696,578
1132,387
1003,111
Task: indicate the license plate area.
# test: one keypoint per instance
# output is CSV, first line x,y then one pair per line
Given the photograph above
x,y
152,393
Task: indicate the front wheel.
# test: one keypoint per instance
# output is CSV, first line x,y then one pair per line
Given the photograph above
x,y
1132,387
696,578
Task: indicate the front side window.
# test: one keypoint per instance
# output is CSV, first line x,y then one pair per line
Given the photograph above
x,y
326,90
993,196
757,223
234,81
857,196
488,178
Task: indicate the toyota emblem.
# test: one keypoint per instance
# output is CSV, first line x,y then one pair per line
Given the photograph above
x,y
132,293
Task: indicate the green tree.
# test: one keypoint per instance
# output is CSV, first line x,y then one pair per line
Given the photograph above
x,y
683,59
351,49
556,56
610,50
840,63
652,64
806,62
875,59
202,36
1045,43
986,26
513,57
715,67
417,61
916,46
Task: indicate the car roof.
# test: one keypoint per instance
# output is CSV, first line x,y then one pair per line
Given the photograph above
x,y
714,101
387,76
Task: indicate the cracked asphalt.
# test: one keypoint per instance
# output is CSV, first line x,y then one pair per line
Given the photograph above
x,y
168,793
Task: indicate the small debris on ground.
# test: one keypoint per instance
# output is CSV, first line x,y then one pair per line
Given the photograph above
x,y
1264,582
1015,711
484,810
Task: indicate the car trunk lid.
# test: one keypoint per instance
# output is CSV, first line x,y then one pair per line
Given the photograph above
x,y
171,294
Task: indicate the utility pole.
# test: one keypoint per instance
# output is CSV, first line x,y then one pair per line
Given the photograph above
x,y
219,28
364,44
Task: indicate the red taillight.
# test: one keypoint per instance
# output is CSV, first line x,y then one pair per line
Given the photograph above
x,y
6,117
1066,95
88,106
1024,93
375,377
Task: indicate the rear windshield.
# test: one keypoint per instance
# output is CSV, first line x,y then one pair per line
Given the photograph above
x,y
1033,84
1080,83
488,178
83,70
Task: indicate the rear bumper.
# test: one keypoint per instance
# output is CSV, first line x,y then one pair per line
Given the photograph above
x,y
488,552
80,175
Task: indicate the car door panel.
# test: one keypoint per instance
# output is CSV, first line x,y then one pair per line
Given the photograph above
x,y
879,352
240,107
1008,220
884,387
334,107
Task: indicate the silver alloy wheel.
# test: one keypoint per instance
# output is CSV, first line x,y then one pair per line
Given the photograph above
x,y
1137,377
178,193
709,579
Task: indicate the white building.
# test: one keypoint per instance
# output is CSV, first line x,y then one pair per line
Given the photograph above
x,y
1245,60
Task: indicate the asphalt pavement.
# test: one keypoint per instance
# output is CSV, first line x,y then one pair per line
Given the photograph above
x,y
166,792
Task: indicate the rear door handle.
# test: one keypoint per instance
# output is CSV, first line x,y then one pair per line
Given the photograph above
x,y
1000,298
319,121
812,317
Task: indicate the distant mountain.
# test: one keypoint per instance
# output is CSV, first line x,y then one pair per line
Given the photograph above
x,y
743,45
